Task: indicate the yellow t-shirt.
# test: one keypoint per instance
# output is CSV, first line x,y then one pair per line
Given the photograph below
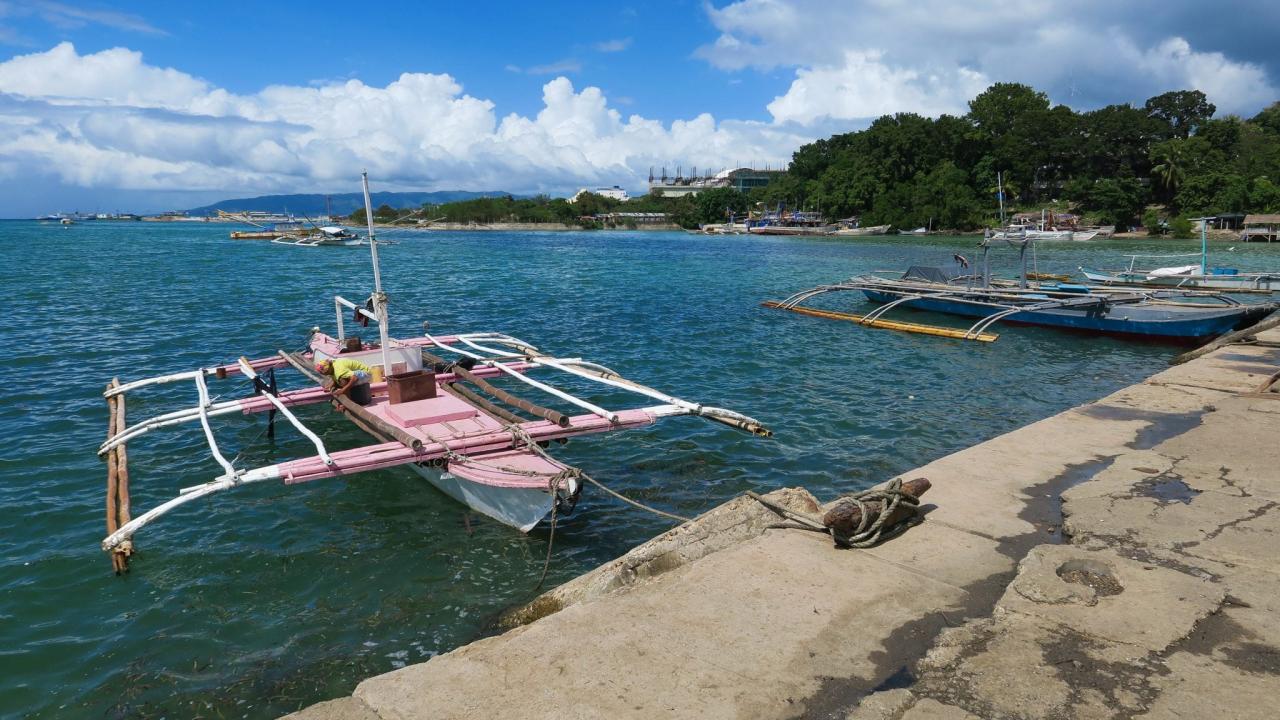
x,y
342,369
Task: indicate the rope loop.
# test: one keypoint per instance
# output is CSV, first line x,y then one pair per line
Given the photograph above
x,y
868,533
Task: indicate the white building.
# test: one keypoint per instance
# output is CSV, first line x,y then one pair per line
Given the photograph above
x,y
615,193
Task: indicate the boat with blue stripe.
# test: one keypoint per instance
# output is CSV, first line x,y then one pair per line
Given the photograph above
x,y
1181,315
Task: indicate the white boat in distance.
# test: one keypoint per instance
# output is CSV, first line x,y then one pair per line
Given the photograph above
x,y
1016,233
858,231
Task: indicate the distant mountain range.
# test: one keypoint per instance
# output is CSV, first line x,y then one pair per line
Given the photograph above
x,y
339,204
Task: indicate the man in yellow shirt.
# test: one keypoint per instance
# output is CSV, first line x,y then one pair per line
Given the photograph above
x,y
350,377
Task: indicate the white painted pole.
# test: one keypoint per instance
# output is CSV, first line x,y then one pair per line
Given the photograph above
x,y
208,432
315,440
589,407
379,299
1204,246
337,310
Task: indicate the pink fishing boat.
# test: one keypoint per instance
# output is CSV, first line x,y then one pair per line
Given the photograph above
x,y
437,412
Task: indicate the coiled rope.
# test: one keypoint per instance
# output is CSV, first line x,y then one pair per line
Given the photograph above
x,y
868,532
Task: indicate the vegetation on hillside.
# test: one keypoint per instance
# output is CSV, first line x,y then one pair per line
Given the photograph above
x,y
906,170
1111,163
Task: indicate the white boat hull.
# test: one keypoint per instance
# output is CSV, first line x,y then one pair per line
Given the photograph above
x,y
1256,282
1048,235
856,232
520,508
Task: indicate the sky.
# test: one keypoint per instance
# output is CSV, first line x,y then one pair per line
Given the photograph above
x,y
150,105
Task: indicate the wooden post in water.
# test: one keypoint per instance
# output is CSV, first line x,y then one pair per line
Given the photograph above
x,y
112,518
117,479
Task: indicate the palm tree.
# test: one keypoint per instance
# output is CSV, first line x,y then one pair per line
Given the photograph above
x,y
1169,168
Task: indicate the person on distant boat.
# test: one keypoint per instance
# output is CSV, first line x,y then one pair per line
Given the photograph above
x,y
350,377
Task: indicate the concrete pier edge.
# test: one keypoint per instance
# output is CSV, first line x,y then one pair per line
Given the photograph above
x,y
1119,559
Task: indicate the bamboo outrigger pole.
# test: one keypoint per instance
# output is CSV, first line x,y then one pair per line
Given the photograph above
x,y
937,330
117,479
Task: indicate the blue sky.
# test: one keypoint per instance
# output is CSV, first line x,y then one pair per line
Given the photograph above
x,y
158,104
497,50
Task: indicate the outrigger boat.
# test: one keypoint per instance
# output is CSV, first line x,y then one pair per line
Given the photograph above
x,y
478,443
326,236
955,291
1199,276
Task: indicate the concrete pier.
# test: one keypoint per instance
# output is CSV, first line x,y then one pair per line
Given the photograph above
x,y
1120,559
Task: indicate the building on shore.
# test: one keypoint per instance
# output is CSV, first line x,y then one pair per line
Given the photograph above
x,y
742,179
613,193
1261,228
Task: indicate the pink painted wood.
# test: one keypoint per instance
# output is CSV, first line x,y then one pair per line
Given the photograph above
x,y
385,455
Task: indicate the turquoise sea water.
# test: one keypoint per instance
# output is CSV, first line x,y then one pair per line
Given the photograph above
x,y
260,601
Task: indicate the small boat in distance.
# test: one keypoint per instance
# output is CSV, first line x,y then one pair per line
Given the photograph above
x,y
789,222
326,236
1200,276
851,227
438,415
1049,227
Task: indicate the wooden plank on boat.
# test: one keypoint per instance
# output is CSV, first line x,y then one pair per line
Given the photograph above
x,y
514,401
468,395
1266,323
937,330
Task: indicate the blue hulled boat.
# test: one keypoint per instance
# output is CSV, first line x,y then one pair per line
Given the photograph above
x,y
1116,315
955,290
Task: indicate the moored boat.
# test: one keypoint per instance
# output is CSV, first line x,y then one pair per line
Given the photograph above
x,y
955,290
437,414
1188,277
857,231
1201,276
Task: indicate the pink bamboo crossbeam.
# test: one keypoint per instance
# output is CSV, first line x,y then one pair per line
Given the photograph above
x,y
385,455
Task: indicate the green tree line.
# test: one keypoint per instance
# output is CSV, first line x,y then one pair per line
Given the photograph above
x,y
907,170
1111,163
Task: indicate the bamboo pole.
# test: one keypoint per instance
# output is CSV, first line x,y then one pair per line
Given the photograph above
x,y
113,519
888,324
502,395
122,466
120,557
1266,323
467,395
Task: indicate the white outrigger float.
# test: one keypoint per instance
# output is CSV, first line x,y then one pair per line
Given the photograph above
x,y
444,420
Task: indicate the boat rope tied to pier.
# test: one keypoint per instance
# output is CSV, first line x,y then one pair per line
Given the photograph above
x,y
418,414
862,519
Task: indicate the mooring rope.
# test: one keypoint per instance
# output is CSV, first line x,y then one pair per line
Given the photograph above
x,y
868,533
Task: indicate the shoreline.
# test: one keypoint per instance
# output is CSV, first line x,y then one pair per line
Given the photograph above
x,y
1121,567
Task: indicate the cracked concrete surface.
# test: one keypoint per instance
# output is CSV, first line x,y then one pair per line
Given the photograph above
x,y
1117,560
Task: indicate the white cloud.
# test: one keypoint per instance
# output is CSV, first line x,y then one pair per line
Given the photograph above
x,y
863,86
1234,86
559,67
854,61
613,46
110,120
